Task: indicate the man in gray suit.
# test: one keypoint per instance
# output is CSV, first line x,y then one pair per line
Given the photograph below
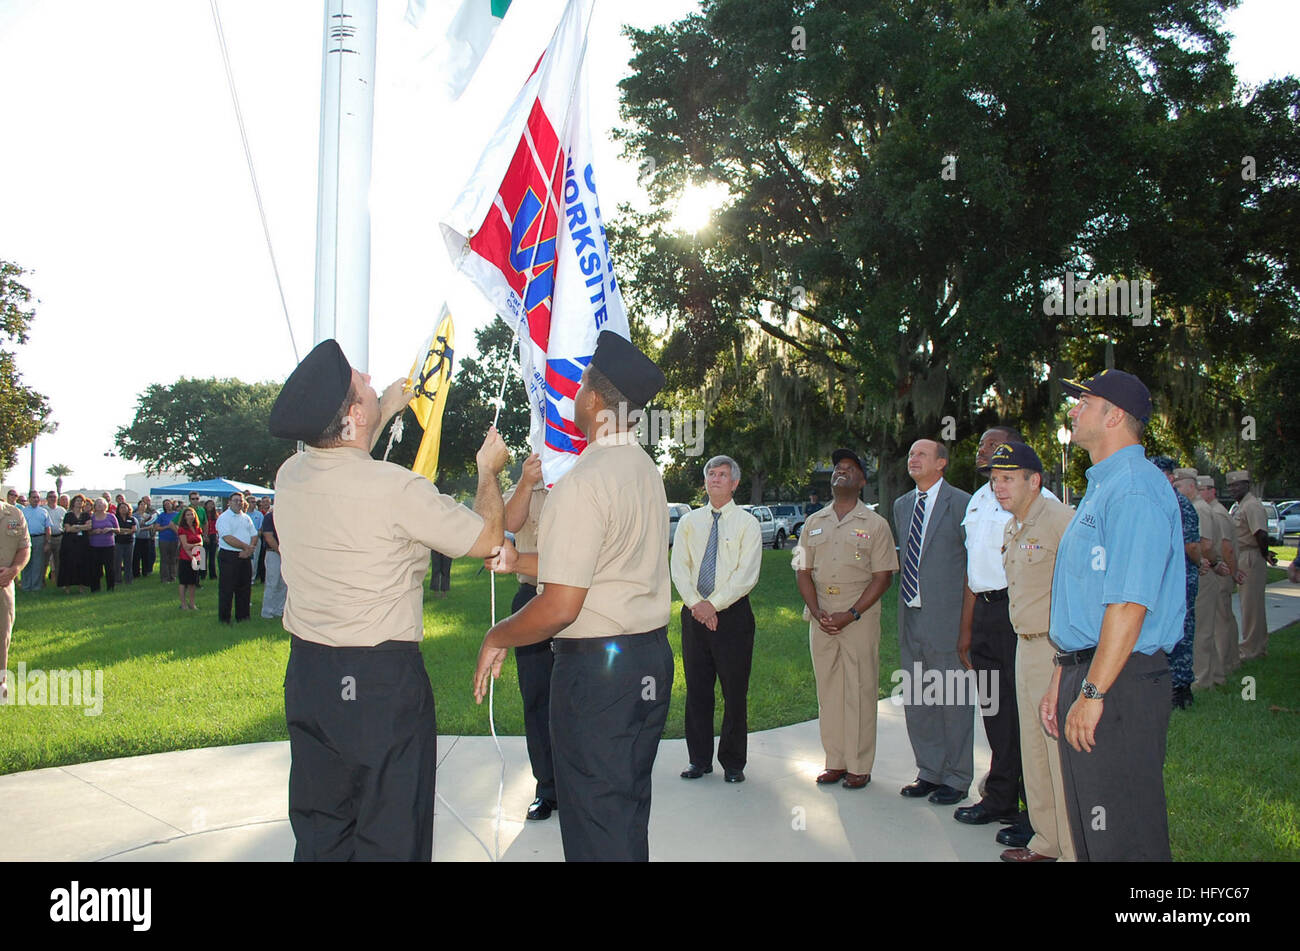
x,y
940,723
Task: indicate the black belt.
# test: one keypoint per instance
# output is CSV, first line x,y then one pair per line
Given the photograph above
x,y
383,647
1070,658
998,595
584,645
525,584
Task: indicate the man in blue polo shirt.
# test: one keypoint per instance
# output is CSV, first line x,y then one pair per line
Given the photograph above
x,y
1117,610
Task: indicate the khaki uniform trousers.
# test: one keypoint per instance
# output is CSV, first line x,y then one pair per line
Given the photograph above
x,y
1225,628
1254,625
6,621
1040,757
1207,655
847,667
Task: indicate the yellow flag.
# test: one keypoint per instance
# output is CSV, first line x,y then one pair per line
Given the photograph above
x,y
430,377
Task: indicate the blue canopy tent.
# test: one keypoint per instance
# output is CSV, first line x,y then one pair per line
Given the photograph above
x,y
216,488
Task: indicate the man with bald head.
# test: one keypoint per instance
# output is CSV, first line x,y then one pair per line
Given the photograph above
x,y
932,582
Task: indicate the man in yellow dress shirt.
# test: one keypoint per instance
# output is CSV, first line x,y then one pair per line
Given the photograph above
x,y
715,563
602,566
356,535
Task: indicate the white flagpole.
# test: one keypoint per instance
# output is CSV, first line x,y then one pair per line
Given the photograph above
x,y
342,308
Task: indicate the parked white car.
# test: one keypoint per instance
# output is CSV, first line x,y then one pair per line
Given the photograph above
x,y
675,512
773,533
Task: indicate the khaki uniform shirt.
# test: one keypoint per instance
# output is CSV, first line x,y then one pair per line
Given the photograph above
x,y
605,528
1227,528
1029,557
13,533
1248,517
526,537
1210,530
843,554
355,536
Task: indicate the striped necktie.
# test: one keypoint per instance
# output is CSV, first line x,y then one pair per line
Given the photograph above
x,y
709,567
910,586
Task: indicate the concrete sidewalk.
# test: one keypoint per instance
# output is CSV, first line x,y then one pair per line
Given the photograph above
x,y
230,803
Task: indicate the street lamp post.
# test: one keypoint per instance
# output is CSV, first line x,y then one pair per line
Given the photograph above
x,y
1063,436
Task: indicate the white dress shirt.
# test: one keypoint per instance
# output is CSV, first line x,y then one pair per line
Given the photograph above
x,y
930,495
984,523
740,551
239,525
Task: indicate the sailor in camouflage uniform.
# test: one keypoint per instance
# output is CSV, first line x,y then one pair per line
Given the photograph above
x,y
1180,658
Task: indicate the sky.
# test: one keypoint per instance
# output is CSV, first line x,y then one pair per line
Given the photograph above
x,y
124,189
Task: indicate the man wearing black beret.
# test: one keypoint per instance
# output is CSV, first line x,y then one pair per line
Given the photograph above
x,y
602,564
355,536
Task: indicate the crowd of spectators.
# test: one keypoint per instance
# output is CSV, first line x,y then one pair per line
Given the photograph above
x,y
83,544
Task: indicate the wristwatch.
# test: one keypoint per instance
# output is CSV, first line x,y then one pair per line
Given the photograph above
x,y
856,615
1091,692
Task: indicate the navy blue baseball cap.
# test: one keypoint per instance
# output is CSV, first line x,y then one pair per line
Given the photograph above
x,y
849,454
1115,386
1016,455
311,397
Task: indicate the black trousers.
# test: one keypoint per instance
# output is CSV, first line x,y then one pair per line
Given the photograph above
x,y
101,563
724,655
211,549
534,663
261,561
441,565
608,710
235,583
1115,795
143,557
993,656
363,745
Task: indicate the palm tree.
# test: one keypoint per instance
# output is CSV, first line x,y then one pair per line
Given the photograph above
x,y
58,470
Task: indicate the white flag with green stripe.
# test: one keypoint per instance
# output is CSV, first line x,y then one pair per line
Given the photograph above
x,y
468,36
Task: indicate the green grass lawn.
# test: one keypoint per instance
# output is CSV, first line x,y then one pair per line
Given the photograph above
x,y
178,680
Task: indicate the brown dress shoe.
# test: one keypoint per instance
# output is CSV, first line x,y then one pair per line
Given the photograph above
x,y
1025,855
829,776
855,780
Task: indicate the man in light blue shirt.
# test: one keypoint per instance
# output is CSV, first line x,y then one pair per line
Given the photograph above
x,y
1117,610
38,527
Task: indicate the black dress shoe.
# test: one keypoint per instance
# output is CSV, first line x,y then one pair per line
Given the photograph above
x,y
947,796
1016,837
734,775
695,772
917,788
541,809
979,814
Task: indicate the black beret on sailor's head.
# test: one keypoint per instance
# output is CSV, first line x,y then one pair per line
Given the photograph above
x,y
630,370
312,395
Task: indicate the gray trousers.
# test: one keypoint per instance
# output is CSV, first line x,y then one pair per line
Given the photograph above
x,y
274,591
1115,795
942,733
168,553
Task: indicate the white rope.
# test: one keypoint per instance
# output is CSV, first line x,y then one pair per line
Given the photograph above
x,y
252,174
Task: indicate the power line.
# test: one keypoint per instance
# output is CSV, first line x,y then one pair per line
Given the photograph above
x,y
252,174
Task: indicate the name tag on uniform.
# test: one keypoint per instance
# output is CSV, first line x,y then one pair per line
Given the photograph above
x,y
815,531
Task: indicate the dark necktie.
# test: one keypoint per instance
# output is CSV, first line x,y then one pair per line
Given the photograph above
x,y
910,586
709,566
